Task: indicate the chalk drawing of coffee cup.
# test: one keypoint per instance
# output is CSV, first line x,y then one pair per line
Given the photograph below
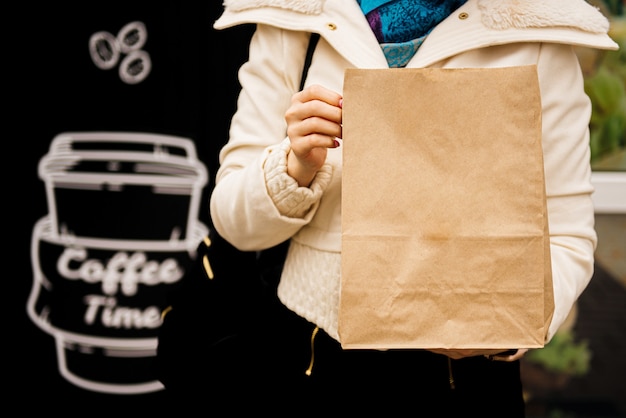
x,y
121,228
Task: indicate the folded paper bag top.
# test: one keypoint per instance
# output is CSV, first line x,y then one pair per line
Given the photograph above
x,y
445,238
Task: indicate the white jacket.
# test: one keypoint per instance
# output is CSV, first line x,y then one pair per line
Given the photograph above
x,y
255,204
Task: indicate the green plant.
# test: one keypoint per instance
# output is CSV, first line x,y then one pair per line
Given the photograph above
x,y
563,354
608,121
606,88
605,84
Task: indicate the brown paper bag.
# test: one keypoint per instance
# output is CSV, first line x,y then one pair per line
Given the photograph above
x,y
444,223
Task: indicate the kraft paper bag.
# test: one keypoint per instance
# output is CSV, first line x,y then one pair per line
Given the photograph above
x,y
444,226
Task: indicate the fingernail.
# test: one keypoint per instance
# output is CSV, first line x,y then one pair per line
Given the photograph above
x,y
336,143
341,102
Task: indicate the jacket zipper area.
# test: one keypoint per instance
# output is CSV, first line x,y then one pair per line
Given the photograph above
x,y
450,375
309,370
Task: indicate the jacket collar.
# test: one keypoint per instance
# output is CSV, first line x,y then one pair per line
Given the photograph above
x,y
509,14
302,6
496,14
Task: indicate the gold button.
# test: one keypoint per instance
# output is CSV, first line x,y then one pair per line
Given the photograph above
x,y
331,26
463,15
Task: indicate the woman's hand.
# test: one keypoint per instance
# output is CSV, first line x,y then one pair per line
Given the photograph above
x,y
313,125
495,355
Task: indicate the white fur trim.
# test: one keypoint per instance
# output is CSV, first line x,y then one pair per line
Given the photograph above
x,y
303,6
505,14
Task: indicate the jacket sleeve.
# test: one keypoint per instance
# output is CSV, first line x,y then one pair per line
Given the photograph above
x,y
565,117
242,208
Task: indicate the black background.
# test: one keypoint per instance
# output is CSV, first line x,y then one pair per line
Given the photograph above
x,y
52,86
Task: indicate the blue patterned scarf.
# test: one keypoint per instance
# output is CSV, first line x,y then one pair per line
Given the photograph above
x,y
402,25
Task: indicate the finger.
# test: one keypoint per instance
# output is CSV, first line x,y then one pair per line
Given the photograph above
x,y
508,357
317,92
314,125
309,143
299,112
518,355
